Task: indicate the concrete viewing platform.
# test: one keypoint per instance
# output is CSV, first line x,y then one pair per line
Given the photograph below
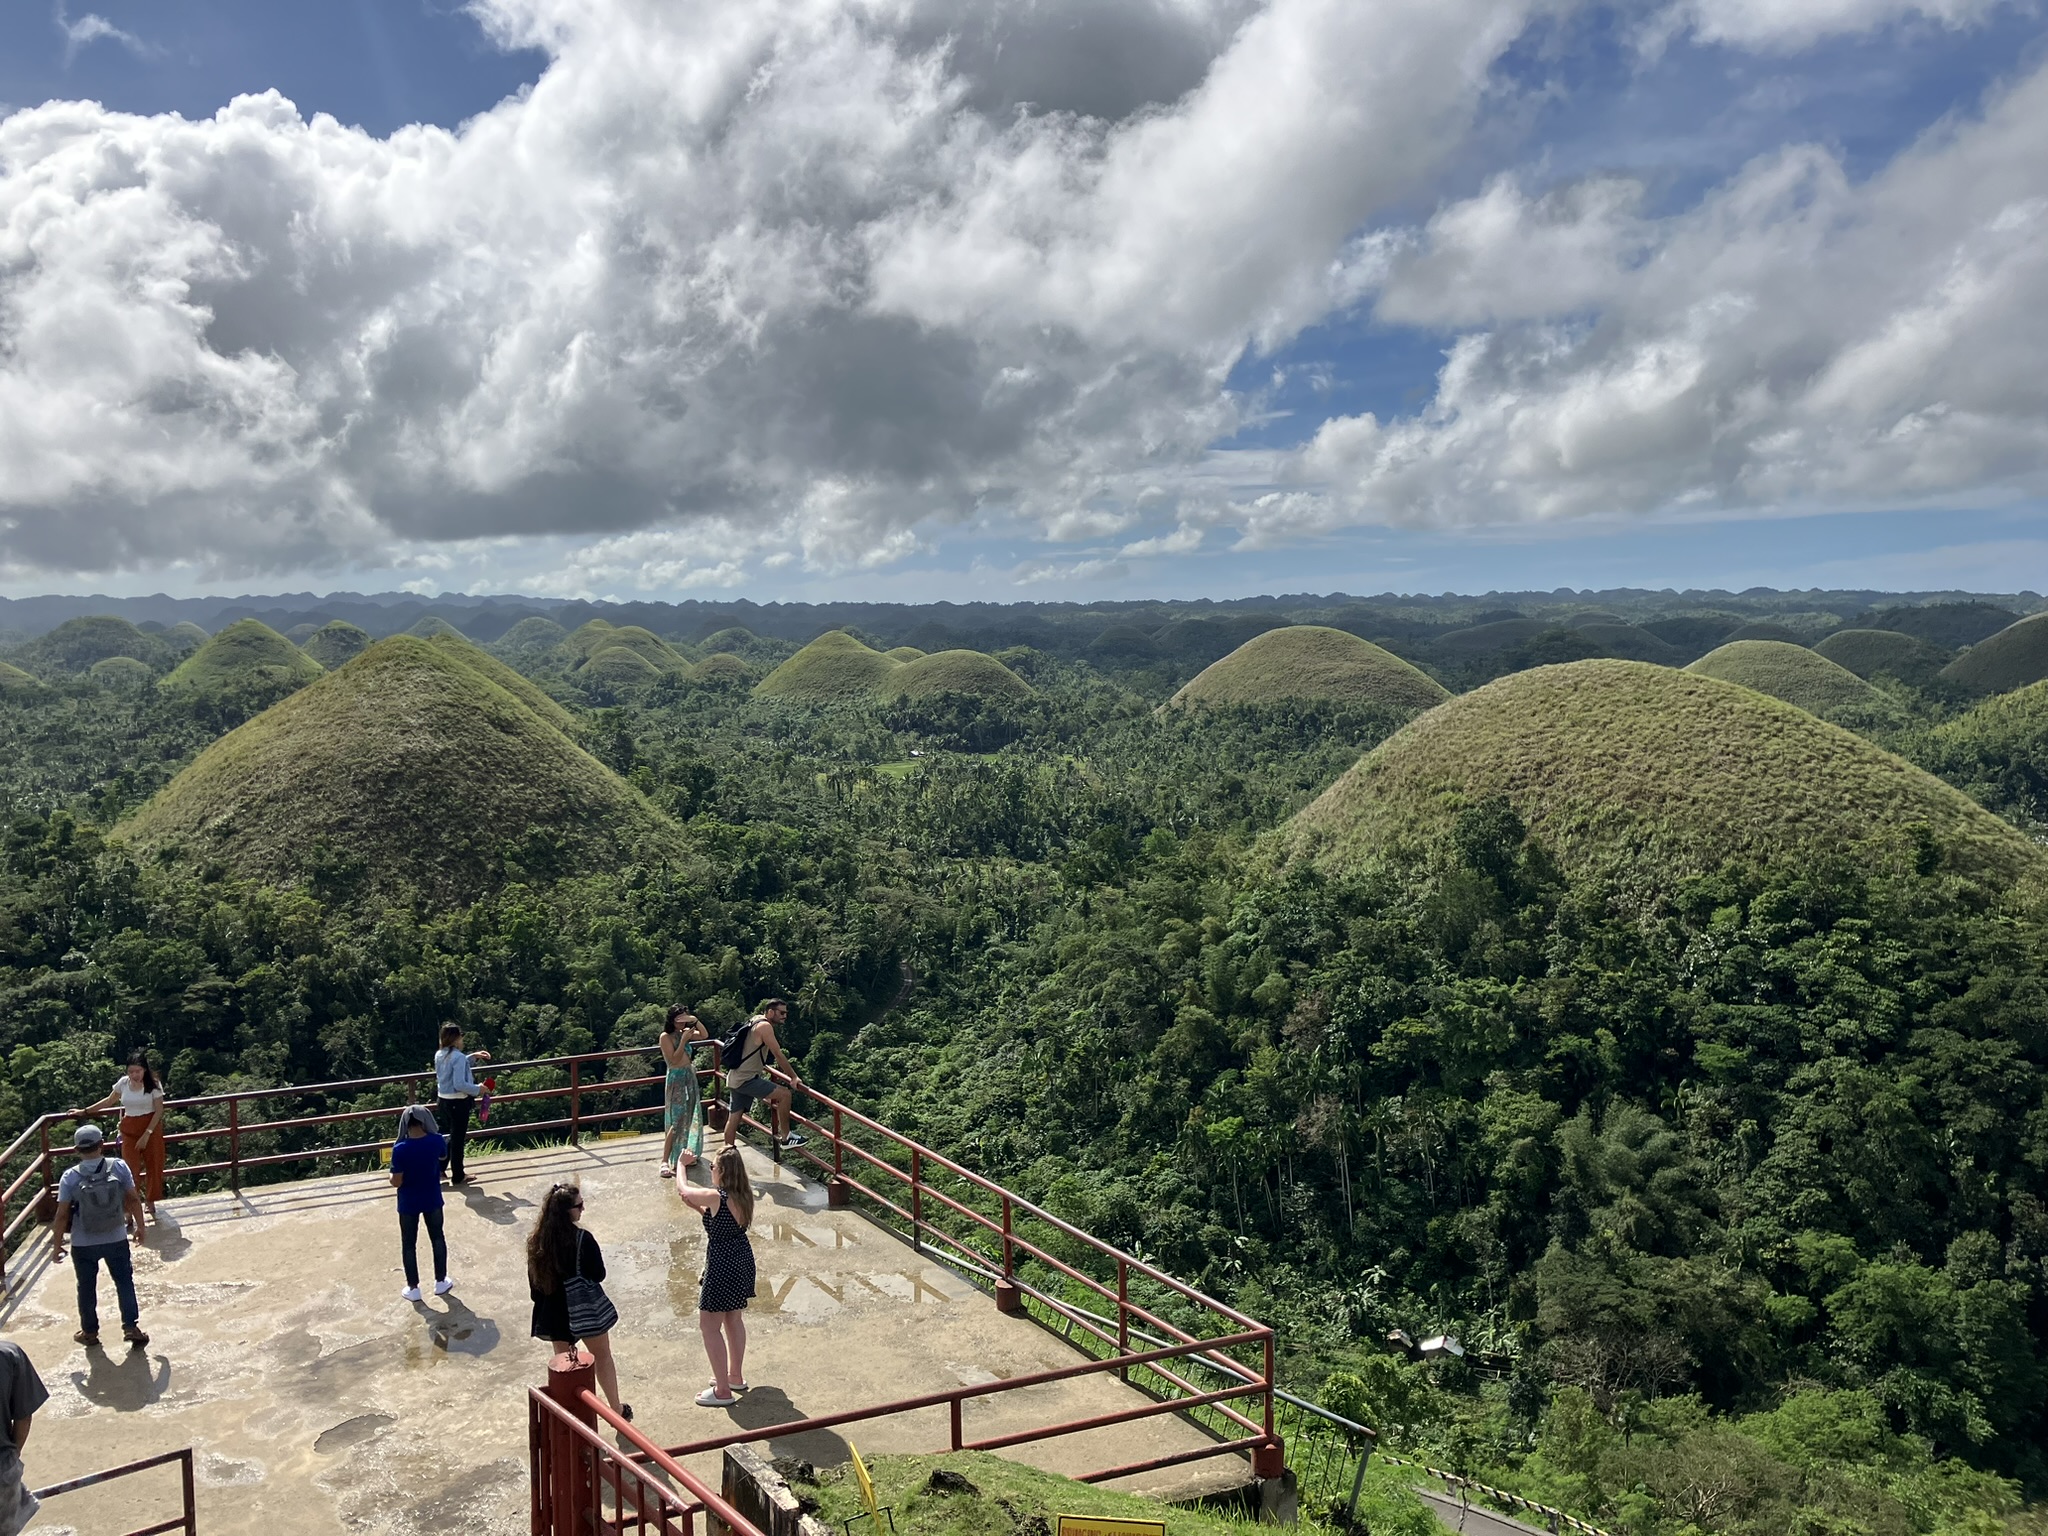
x,y
318,1401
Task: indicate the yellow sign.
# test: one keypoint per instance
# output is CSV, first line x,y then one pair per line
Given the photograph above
x,y
867,1488
1097,1525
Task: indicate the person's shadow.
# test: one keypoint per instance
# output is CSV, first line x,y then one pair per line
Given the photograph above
x,y
457,1330
765,1407
123,1380
502,1209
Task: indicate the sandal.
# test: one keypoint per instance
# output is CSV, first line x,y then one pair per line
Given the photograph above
x,y
667,1172
709,1398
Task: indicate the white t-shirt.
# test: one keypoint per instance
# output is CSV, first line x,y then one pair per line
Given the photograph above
x,y
137,1101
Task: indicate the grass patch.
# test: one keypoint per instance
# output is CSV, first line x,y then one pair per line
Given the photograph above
x,y
480,661
407,767
1790,672
1309,662
14,680
1008,1499
1612,758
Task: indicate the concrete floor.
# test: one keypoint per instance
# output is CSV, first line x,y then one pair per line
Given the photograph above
x,y
320,1402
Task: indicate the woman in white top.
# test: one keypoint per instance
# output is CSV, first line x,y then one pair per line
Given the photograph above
x,y
140,1096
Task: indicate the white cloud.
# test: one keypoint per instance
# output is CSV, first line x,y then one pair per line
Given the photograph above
x,y
1795,341
93,28
1784,25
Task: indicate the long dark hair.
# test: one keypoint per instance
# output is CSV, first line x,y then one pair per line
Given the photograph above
x,y
729,1173
672,1024
551,1246
140,1058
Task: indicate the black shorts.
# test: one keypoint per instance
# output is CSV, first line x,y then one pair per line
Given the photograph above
x,y
742,1097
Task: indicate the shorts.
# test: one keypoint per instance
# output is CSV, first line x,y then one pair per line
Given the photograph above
x,y
742,1097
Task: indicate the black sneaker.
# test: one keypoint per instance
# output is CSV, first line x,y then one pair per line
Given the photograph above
x,y
796,1139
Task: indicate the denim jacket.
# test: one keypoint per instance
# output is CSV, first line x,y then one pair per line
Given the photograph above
x,y
455,1075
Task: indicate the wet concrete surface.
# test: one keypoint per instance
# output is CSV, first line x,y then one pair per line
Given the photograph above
x,y
319,1401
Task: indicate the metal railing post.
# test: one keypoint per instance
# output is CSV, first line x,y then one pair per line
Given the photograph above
x,y
43,1136
1123,1312
838,1144
191,1501
235,1144
956,1424
916,1200
576,1103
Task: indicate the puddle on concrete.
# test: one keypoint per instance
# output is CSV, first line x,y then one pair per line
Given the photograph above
x,y
217,1471
351,1432
809,1297
464,1333
805,1234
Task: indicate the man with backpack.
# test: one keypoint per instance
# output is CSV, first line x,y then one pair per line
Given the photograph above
x,y
744,1055
96,1202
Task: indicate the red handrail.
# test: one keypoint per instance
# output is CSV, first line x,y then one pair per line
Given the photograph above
x,y
187,1521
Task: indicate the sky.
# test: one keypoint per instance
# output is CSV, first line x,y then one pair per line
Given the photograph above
x,y
1022,299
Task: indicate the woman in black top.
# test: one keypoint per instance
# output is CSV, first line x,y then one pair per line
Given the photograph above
x,y
558,1249
727,1209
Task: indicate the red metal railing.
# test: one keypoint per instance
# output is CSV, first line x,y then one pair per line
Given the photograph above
x,y
186,1521
581,1484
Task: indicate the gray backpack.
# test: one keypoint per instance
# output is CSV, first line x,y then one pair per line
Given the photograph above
x,y
100,1205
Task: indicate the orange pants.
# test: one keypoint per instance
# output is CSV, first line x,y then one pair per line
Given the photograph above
x,y
148,1164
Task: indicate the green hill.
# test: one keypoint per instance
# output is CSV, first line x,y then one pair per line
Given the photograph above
x,y
409,768
76,644
1763,629
721,667
185,637
956,672
299,634
1484,639
616,667
834,668
644,643
1307,661
583,641
1948,625
530,637
13,680
1202,639
1888,652
1589,616
1998,753
903,653
122,672
1123,642
732,638
492,670
1629,643
2013,658
247,660
336,644
433,626
1676,772
1789,672
1693,634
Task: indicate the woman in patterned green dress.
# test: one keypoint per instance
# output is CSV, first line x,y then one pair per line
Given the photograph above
x,y
682,1106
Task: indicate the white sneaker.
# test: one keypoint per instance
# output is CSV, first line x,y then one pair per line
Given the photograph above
x,y
443,1287
410,1293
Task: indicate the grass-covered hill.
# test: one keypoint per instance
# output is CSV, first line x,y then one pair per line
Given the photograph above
x,y
74,645
1948,625
432,626
832,669
1203,638
186,636
1789,672
967,672
721,668
903,653
1998,752
1310,662
248,661
1675,771
1123,644
2013,658
1482,639
404,768
1763,629
1692,635
521,687
530,636
1883,653
14,680
614,667
122,672
336,643
1629,643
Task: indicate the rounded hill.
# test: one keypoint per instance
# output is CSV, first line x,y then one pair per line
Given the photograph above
x,y
336,644
1307,661
903,653
614,667
186,636
1614,761
246,660
1789,672
721,667
1122,642
76,644
531,635
1629,643
1888,652
122,672
524,689
834,668
1763,629
404,768
14,680
432,626
2013,658
644,643
956,672
1483,639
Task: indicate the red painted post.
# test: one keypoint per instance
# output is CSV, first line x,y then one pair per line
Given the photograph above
x,y
1123,1310
191,1502
571,1470
838,1145
956,1423
576,1103
1270,1459
1009,1294
916,1200
235,1145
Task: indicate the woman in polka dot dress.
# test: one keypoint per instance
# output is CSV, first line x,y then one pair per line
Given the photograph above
x,y
727,1209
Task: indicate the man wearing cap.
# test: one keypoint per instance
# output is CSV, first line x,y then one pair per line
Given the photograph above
x,y
96,1205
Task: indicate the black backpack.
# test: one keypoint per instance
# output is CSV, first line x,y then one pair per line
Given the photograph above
x,y
735,1048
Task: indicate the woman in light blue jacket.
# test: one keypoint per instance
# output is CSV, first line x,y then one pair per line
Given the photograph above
x,y
455,1090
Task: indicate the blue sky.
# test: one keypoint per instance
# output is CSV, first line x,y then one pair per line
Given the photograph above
x,y
716,369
